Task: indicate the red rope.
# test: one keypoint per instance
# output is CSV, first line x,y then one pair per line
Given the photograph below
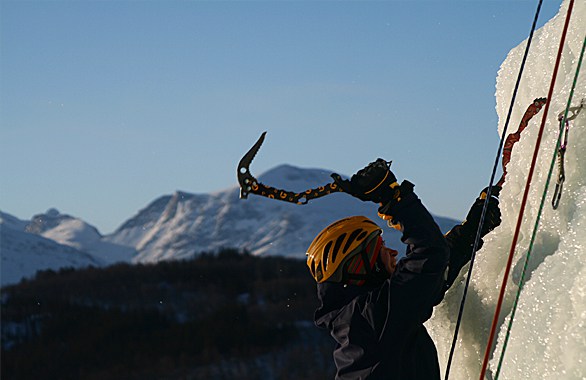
x,y
525,196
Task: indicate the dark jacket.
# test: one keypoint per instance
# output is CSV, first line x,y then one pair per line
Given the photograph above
x,y
379,330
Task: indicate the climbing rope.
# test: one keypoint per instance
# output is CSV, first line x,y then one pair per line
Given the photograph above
x,y
489,192
525,196
563,122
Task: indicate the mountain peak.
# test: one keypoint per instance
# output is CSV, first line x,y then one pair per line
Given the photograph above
x,y
181,195
44,222
181,225
52,212
294,178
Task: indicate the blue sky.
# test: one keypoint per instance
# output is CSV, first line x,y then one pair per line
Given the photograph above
x,y
107,105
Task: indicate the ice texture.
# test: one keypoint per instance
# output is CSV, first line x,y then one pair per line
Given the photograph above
x,y
548,337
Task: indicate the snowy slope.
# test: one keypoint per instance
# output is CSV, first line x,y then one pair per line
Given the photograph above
x,y
23,253
181,225
548,338
76,233
9,221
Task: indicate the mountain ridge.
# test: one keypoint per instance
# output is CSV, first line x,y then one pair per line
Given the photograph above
x,y
182,225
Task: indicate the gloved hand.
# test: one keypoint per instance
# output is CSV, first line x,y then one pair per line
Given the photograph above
x,y
403,195
375,182
492,218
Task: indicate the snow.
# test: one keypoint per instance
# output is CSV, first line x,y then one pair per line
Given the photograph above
x,y
182,225
548,337
23,254
52,241
76,233
9,221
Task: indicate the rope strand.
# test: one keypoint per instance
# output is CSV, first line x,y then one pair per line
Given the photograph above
x,y
525,196
489,191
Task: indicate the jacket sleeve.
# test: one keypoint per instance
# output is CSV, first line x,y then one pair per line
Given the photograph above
x,y
461,238
411,292
419,277
461,243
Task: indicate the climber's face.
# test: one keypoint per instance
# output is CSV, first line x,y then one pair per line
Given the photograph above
x,y
389,258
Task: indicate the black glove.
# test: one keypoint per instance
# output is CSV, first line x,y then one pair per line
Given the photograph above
x,y
375,183
403,196
492,218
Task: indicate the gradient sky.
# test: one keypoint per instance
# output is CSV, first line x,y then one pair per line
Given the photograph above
x,y
107,105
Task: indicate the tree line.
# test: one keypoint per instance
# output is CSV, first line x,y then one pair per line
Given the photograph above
x,y
223,315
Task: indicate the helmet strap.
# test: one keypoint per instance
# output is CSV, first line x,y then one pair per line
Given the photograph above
x,y
366,261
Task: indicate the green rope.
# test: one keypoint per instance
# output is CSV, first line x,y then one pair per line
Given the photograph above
x,y
533,235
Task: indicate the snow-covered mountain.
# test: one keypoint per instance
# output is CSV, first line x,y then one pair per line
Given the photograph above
x,y
52,241
23,253
181,225
76,233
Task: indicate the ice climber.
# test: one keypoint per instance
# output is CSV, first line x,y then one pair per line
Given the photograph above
x,y
372,305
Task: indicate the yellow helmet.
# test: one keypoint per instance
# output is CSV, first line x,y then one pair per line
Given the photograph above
x,y
337,244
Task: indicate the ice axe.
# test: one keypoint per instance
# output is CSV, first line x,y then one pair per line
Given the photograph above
x,y
250,185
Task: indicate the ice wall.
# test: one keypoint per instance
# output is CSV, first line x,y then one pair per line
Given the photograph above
x,y
548,338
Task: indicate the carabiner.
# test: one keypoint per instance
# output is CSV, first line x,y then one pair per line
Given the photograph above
x,y
561,152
